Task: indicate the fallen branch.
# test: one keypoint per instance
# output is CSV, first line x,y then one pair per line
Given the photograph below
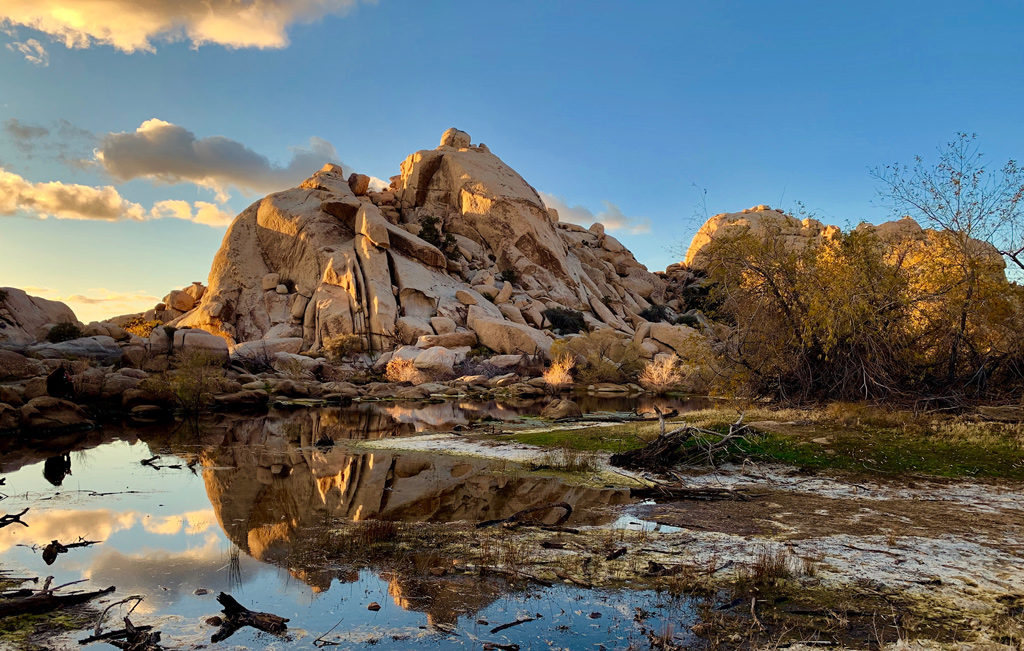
x,y
52,550
521,620
237,616
687,445
44,601
520,516
140,638
699,493
11,519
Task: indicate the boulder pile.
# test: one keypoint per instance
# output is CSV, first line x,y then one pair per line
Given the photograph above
x,y
458,249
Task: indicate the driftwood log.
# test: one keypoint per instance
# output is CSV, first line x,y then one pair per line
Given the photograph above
x,y
43,601
237,616
524,516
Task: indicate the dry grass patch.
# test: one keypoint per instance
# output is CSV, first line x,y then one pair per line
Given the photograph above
x,y
661,375
559,374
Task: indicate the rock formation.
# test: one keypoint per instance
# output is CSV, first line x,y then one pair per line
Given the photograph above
x,y
458,239
25,319
762,221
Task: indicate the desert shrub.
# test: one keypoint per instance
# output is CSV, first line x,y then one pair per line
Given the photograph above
x,y
852,317
559,374
255,361
140,327
688,319
64,331
509,275
293,369
338,347
565,321
430,232
402,370
601,356
656,313
197,376
662,374
478,365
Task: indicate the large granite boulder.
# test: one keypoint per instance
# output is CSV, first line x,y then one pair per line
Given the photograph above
x,y
100,348
26,319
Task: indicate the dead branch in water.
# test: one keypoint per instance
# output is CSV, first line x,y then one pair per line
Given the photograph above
x,y
54,548
43,601
11,519
520,516
236,616
521,620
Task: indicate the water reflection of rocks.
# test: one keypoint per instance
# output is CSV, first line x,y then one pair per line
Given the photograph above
x,y
276,484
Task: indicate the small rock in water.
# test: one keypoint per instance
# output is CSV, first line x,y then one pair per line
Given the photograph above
x,y
374,606
200,592
594,615
214,621
482,622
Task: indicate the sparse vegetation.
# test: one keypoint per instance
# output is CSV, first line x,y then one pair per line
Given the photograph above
x,y
341,346
565,321
559,374
195,380
64,331
656,313
601,356
430,231
509,275
140,327
569,459
662,374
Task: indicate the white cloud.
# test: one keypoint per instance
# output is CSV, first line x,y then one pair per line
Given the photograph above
x,y
133,25
32,50
64,200
611,217
205,212
169,153
75,201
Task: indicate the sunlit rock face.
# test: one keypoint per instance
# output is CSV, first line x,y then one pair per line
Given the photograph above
x,y
331,257
25,319
902,237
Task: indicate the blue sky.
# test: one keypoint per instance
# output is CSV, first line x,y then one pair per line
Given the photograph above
x,y
620,109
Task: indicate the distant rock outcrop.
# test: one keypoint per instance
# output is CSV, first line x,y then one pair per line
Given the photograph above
x,y
458,238
762,221
26,319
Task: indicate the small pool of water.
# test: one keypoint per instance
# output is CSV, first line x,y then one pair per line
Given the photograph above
x,y
235,505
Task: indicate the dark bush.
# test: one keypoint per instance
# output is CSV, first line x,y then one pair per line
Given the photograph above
x,y
63,332
656,313
565,321
430,232
509,275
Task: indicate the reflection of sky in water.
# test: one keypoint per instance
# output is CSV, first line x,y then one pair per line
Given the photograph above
x,y
164,542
